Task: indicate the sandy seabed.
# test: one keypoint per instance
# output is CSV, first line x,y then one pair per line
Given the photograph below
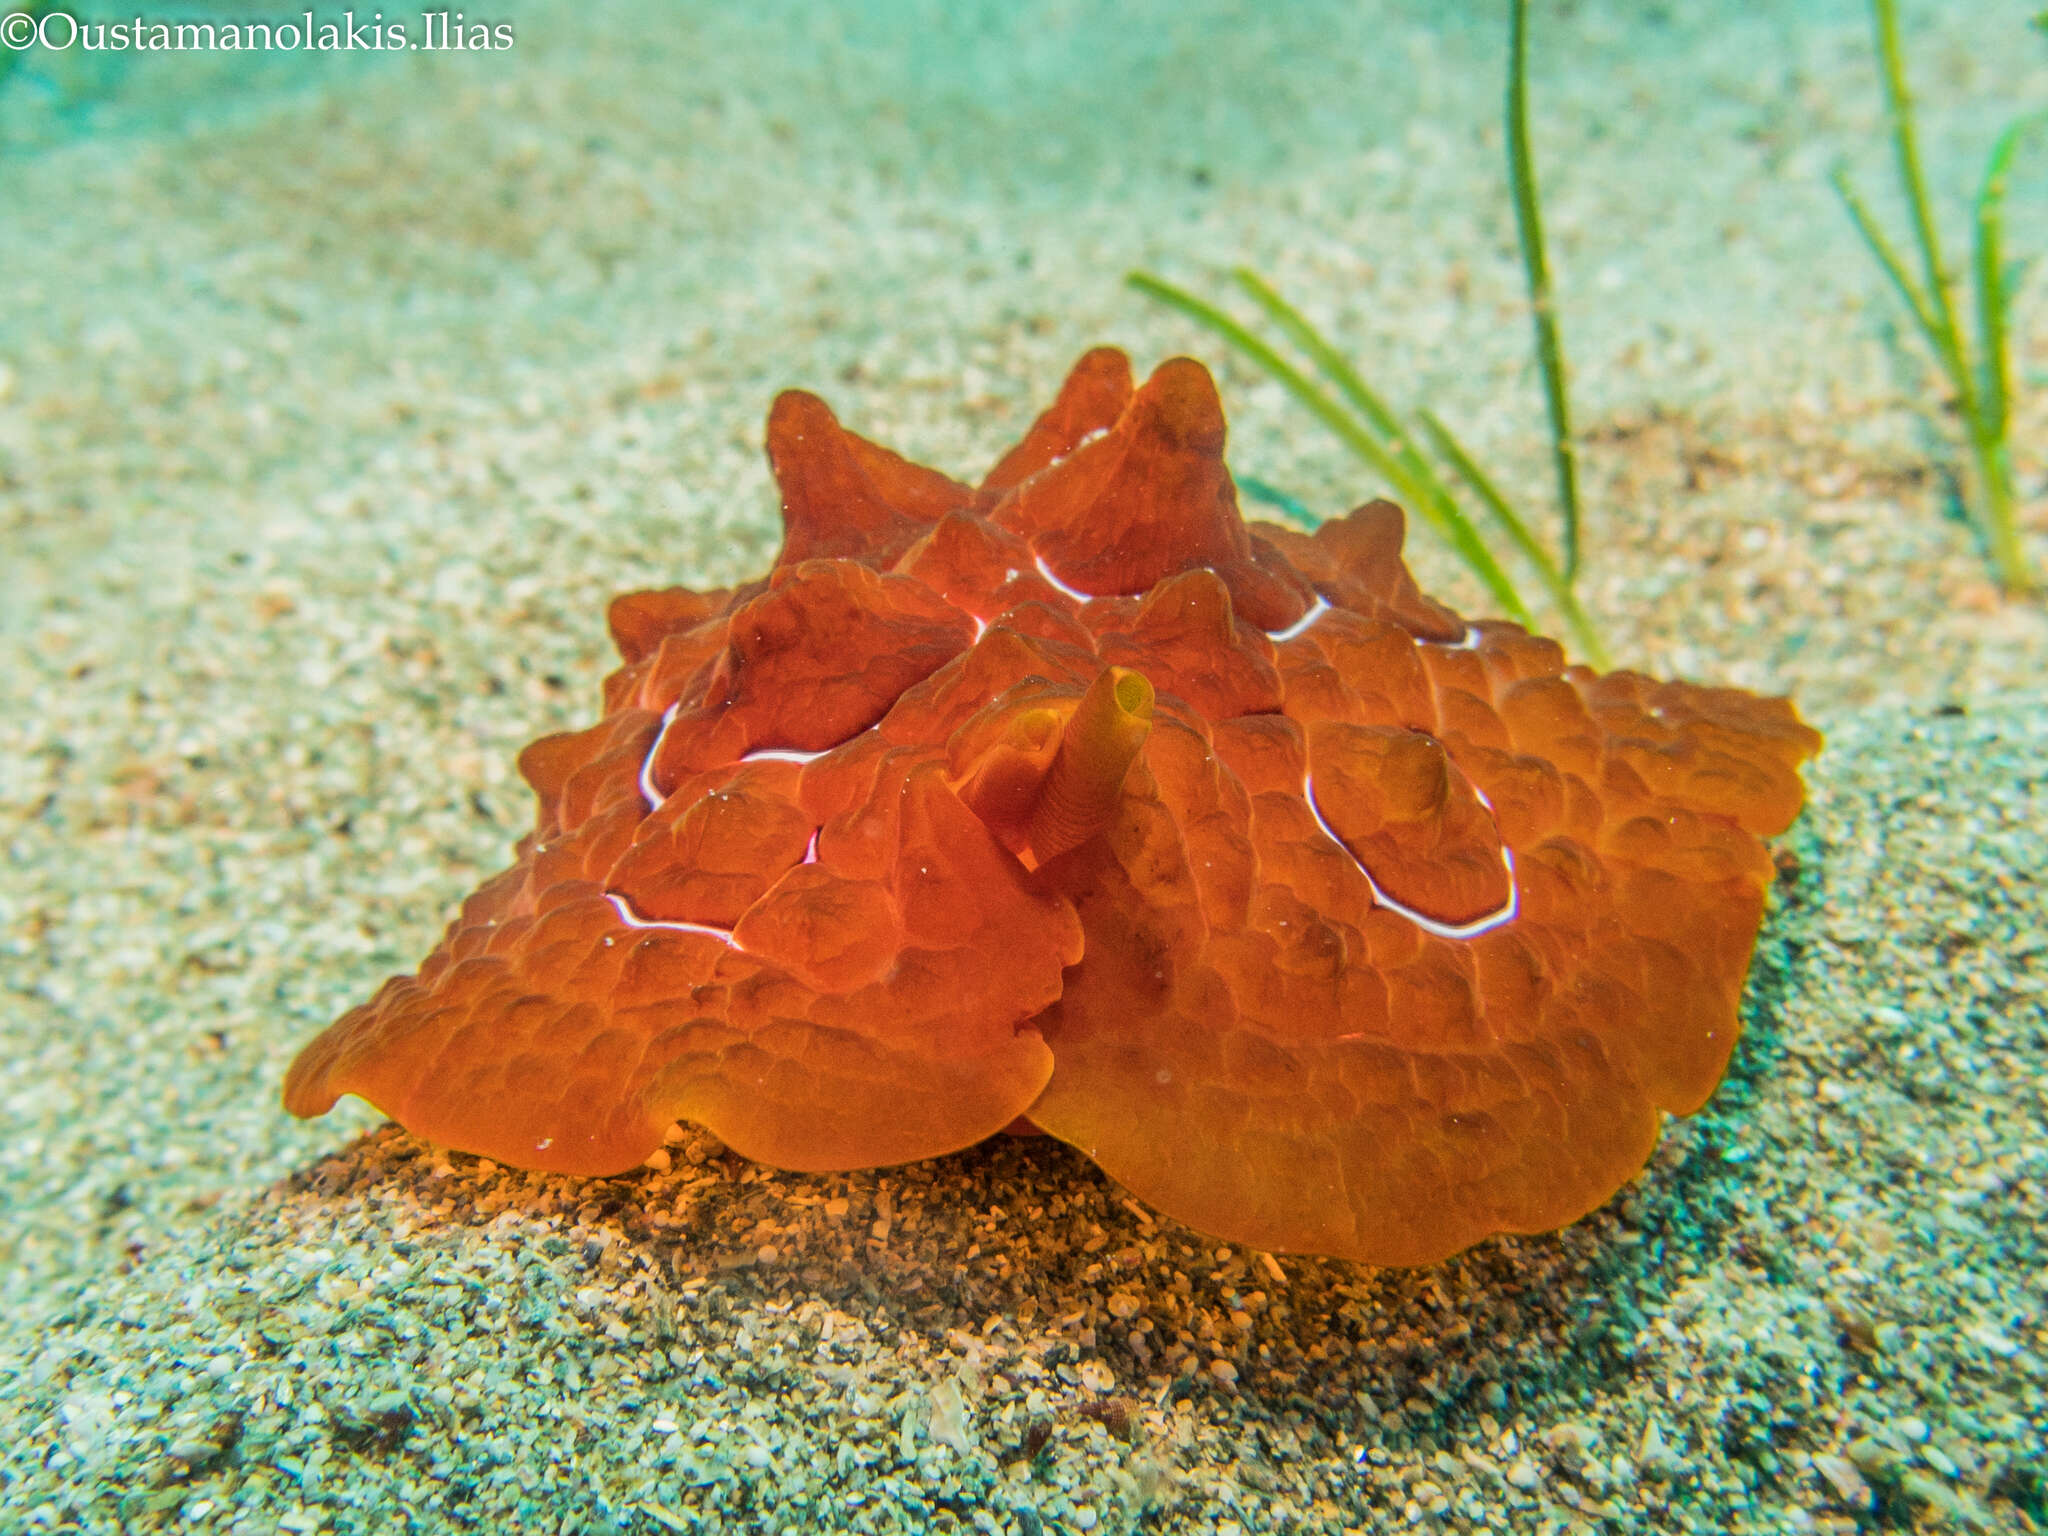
x,y
332,410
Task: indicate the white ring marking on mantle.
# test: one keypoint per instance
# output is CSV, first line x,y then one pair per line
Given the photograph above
x,y
633,919
1301,625
656,799
648,792
1046,571
1428,924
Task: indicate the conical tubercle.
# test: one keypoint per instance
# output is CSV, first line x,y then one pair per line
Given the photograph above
x,y
1094,395
844,497
1148,498
1085,783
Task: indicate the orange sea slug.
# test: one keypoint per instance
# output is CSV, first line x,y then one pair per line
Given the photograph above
x,y
1318,917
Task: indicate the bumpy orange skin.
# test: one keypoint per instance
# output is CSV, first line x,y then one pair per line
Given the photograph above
x,y
1359,931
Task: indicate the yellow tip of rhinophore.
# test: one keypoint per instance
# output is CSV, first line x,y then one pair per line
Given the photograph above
x,y
1133,693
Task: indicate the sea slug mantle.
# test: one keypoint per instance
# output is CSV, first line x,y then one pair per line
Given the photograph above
x,y
1320,918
